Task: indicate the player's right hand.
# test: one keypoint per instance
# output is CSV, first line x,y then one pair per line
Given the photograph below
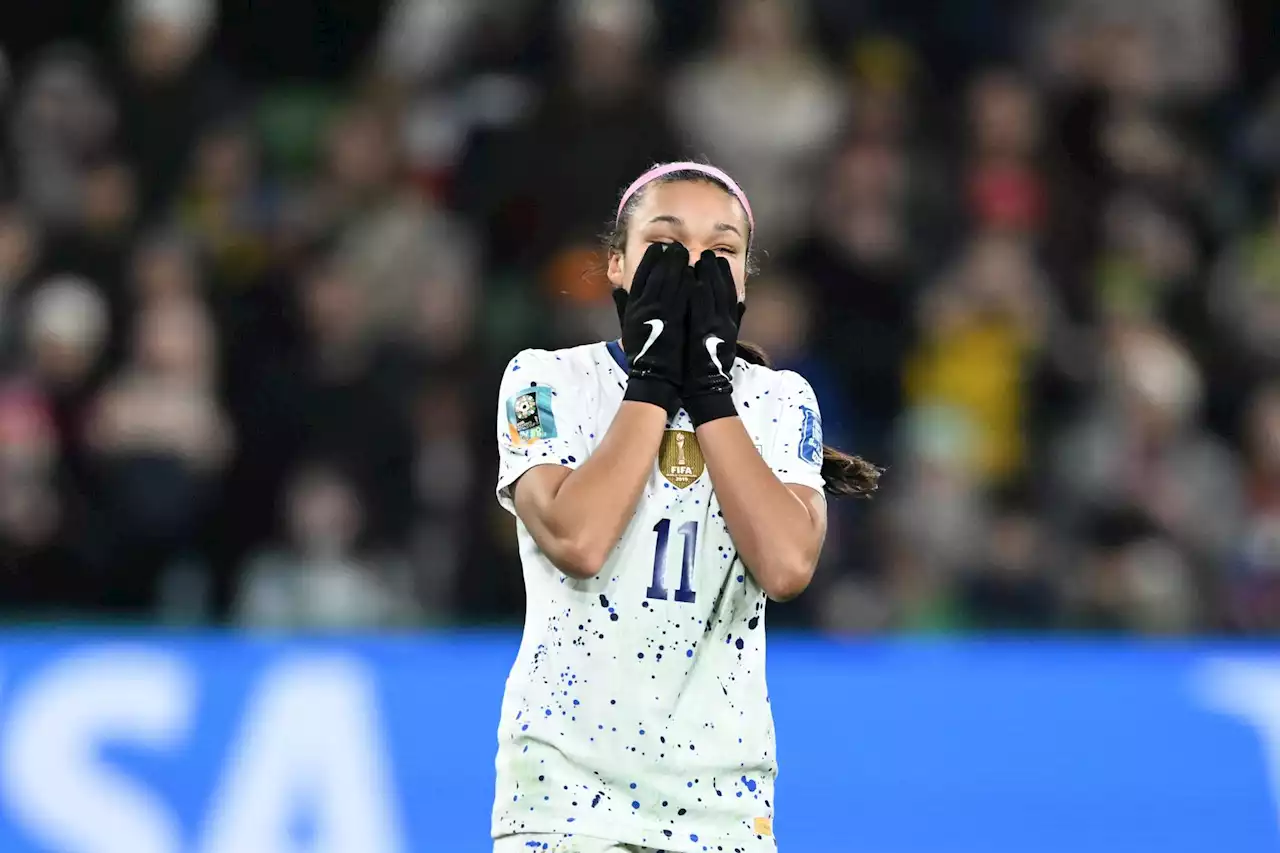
x,y
653,325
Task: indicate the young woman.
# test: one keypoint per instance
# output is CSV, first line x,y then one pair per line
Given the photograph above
x,y
664,486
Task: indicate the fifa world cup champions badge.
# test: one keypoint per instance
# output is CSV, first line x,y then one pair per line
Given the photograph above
x,y
529,415
680,458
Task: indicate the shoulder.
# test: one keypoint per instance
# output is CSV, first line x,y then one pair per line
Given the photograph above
x,y
565,366
564,360
794,387
784,384
574,376
534,358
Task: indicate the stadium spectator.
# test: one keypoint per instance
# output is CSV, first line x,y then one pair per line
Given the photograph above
x,y
317,579
1026,254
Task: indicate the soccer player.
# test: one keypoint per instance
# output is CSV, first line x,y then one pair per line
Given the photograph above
x,y
664,486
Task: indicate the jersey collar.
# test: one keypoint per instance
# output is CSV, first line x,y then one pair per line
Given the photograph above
x,y
615,350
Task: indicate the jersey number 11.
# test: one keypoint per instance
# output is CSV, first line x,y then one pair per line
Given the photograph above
x,y
689,530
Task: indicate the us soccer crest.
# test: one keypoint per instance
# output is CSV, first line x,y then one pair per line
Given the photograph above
x,y
680,458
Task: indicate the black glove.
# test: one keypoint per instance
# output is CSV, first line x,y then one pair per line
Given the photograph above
x,y
714,313
653,325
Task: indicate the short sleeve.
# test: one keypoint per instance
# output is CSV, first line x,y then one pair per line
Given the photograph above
x,y
538,422
795,454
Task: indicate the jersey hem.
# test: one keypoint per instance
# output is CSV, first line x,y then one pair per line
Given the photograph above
x,y
644,835
788,479
506,481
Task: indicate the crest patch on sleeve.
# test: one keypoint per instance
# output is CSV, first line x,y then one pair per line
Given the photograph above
x,y
529,415
810,446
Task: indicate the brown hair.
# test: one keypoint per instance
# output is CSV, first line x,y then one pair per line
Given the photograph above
x,y
843,474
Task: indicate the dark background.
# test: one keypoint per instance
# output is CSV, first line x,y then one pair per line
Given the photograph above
x,y
256,295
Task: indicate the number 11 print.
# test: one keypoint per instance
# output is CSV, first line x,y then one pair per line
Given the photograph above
x,y
685,594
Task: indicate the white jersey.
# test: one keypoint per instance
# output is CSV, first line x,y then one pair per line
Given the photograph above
x,y
637,710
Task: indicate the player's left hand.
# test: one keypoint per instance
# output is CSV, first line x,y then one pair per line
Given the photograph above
x,y
714,313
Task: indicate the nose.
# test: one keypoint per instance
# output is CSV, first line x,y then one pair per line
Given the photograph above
x,y
695,252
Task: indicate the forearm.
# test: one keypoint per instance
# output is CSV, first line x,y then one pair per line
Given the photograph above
x,y
777,535
579,522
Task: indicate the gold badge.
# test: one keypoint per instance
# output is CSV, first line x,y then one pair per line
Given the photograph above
x,y
680,458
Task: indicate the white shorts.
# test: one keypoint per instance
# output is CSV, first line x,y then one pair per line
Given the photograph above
x,y
546,842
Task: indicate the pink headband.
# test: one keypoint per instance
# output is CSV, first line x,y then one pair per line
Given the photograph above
x,y
710,171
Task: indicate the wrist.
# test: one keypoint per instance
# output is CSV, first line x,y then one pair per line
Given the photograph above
x,y
710,407
656,392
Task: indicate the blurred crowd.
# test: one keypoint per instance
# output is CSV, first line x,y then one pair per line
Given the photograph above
x,y
254,306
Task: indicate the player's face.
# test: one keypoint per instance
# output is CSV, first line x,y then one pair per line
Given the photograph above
x,y
696,213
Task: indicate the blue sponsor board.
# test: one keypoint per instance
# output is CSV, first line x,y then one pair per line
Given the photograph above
x,y
164,743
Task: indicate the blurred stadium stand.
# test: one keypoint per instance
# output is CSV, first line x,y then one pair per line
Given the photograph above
x,y
259,271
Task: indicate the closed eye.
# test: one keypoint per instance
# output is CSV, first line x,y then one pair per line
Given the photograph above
x,y
664,239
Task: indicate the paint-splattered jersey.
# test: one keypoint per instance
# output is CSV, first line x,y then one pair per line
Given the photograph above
x,y
637,709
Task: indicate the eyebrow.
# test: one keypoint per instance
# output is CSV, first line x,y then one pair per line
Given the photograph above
x,y
679,223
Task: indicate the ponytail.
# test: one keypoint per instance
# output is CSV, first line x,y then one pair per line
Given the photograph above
x,y
843,474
